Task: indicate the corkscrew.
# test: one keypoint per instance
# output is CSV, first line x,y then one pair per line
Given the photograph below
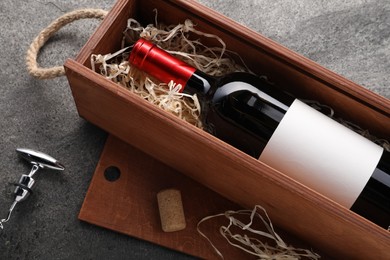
x,y
23,188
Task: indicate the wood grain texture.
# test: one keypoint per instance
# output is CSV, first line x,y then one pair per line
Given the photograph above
x,y
224,169
129,204
219,166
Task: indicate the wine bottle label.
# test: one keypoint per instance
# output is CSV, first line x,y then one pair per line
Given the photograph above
x,y
321,154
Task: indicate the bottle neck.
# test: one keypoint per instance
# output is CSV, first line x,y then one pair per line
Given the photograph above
x,y
164,67
199,83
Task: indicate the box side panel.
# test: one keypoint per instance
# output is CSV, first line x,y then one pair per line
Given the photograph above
x,y
225,170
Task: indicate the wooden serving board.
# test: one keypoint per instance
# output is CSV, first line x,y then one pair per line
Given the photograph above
x,y
129,205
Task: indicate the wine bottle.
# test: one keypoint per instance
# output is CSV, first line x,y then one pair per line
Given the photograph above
x,y
265,122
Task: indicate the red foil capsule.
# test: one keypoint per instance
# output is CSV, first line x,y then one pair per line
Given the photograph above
x,y
151,59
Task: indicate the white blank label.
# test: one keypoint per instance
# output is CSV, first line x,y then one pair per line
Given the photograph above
x,y
322,154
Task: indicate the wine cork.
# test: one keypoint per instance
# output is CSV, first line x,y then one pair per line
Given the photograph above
x,y
171,210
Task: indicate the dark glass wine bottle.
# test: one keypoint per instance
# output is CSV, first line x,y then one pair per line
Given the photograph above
x,y
247,112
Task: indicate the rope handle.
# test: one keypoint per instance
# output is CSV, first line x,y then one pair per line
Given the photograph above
x,y
39,41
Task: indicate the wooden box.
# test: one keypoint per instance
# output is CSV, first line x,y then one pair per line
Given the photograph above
x,y
233,174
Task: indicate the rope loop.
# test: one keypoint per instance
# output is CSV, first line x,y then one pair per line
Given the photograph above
x,y
32,53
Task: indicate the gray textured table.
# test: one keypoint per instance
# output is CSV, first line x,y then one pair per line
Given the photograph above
x,y
351,37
